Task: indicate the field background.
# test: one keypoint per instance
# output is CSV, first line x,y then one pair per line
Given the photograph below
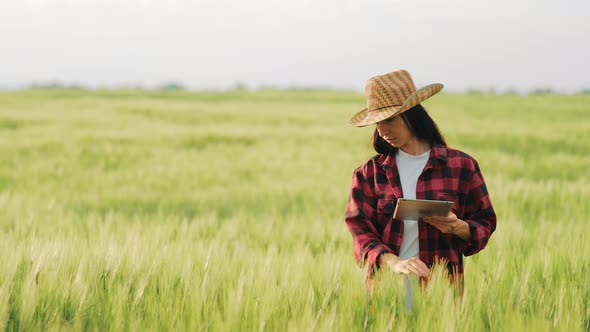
x,y
225,211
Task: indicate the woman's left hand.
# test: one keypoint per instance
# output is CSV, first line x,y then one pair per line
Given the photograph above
x,y
450,225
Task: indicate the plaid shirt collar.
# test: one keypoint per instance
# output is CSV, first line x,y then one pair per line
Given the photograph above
x,y
438,154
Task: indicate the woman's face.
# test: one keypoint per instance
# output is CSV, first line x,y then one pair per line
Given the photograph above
x,y
395,131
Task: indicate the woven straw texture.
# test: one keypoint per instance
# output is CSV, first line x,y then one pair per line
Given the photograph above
x,y
390,95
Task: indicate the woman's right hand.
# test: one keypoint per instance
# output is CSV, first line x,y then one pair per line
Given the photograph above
x,y
411,265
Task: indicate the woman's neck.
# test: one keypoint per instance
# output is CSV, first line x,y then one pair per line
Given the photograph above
x,y
415,147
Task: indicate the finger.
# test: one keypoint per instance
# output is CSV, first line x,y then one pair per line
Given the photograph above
x,y
424,269
413,270
440,225
420,271
440,219
419,264
436,220
443,228
434,223
429,220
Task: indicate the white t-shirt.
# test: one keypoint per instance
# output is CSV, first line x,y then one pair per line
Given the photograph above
x,y
410,167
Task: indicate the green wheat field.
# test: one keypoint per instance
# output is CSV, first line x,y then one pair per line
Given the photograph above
x,y
131,210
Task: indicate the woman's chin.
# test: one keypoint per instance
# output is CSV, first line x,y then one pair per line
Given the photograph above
x,y
392,143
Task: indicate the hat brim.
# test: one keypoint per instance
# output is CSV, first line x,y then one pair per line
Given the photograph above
x,y
366,118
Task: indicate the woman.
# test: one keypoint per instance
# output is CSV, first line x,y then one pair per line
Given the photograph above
x,y
414,161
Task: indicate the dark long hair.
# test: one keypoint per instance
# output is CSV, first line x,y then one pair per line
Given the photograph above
x,y
421,125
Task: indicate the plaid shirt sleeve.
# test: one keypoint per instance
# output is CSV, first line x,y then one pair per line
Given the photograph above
x,y
361,218
479,214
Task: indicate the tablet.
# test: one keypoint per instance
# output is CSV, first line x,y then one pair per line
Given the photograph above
x,y
414,209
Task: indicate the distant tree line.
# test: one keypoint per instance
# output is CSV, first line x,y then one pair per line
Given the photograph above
x,y
167,86
241,86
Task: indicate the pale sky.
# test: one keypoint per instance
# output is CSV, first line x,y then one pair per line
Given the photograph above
x,y
212,44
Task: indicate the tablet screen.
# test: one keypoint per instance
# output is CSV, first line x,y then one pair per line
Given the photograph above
x,y
414,209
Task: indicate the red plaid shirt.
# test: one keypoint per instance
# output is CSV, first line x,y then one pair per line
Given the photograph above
x,y
449,175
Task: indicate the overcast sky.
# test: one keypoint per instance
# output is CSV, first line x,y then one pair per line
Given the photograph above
x,y
211,44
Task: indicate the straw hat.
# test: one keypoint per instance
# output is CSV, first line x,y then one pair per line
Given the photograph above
x,y
390,95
